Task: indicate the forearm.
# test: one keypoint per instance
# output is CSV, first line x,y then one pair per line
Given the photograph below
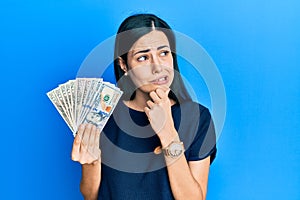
x,y
186,182
90,180
182,182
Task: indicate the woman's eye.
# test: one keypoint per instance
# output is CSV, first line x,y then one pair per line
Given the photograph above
x,y
142,58
164,53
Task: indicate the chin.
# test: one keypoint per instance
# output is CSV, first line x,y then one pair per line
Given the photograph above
x,y
163,87
153,88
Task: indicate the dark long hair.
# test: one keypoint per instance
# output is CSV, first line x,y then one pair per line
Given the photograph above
x,y
130,30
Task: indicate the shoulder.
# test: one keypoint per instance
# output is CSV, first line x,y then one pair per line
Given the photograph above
x,y
193,109
198,133
191,118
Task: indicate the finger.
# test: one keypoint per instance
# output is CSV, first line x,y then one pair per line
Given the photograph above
x,y
97,143
150,104
91,144
161,93
76,148
92,137
85,137
97,138
94,143
156,99
80,131
147,111
167,92
165,89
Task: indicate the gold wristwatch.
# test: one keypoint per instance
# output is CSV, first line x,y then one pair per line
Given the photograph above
x,y
174,150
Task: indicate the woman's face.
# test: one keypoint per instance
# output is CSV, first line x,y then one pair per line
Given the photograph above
x,y
150,62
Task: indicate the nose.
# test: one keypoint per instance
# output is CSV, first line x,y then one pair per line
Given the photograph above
x,y
156,65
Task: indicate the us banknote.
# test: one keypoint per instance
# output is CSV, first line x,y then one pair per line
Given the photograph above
x,y
85,100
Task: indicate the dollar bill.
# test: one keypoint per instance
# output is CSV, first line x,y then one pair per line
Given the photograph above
x,y
85,100
69,87
53,98
89,102
73,98
80,84
66,101
104,104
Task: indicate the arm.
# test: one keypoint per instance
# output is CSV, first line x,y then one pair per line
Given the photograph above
x,y
90,180
187,180
86,151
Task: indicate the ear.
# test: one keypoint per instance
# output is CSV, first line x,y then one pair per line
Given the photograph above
x,y
122,64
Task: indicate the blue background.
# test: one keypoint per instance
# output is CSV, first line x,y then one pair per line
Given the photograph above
x,y
255,45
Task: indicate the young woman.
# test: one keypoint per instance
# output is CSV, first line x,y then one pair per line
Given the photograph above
x,y
158,144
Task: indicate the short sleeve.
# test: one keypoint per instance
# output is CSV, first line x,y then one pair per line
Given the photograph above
x,y
204,143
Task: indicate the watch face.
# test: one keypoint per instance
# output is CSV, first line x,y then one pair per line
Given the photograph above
x,y
175,149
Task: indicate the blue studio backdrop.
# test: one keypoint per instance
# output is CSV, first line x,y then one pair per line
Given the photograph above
x,y
255,45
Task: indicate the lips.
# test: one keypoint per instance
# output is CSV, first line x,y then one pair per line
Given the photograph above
x,y
160,81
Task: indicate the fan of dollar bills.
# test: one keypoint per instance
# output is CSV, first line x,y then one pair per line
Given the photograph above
x,y
85,100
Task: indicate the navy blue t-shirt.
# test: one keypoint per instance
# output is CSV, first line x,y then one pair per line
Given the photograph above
x,y
130,169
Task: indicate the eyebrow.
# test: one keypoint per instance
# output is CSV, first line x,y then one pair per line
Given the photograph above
x,y
147,50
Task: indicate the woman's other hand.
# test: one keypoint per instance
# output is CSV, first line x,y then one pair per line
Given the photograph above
x,y
160,115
